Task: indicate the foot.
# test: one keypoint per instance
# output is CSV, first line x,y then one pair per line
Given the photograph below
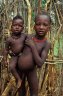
x,y
19,83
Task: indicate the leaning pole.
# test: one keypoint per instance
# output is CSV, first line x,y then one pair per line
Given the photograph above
x,y
29,16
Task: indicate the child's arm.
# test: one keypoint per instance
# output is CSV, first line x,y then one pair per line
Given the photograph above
x,y
5,51
39,60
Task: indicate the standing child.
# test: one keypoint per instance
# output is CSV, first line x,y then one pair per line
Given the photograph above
x,y
34,54
14,45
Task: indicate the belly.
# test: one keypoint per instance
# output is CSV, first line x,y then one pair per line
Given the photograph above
x,y
25,62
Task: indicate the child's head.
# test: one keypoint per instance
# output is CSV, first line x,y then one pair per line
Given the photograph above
x,y
42,24
17,25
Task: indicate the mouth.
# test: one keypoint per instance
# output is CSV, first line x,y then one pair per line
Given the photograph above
x,y
16,30
41,32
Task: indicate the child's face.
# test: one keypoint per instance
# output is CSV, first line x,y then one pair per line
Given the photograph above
x,y
17,26
42,25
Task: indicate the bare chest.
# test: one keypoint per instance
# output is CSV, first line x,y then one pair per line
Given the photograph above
x,y
16,45
40,46
16,42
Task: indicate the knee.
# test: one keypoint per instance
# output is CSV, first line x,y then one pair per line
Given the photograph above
x,y
11,67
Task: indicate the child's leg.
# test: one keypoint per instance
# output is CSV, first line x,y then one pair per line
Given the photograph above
x,y
22,89
12,65
33,82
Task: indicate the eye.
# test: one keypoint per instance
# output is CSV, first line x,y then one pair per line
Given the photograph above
x,y
21,25
45,24
38,24
14,25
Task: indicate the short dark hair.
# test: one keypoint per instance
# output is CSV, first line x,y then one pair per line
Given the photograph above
x,y
18,17
43,13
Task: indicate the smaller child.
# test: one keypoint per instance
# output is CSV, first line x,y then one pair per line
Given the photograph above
x,y
14,45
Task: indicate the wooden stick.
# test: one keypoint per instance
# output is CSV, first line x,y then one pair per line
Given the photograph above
x,y
8,87
29,16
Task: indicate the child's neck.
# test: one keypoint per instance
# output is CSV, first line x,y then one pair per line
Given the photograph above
x,y
16,36
39,37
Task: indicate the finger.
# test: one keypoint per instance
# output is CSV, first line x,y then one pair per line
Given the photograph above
x,y
27,40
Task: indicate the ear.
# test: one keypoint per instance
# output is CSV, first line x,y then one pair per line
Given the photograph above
x,y
23,26
49,27
34,27
11,28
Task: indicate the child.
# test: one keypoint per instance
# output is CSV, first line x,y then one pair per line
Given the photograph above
x,y
34,54
14,45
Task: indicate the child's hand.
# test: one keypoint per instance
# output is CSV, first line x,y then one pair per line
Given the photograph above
x,y
29,42
5,63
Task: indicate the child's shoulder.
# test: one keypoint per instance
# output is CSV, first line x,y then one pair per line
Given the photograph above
x,y
48,43
30,35
24,34
27,35
8,39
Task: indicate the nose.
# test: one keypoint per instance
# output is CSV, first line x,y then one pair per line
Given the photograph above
x,y
41,26
17,26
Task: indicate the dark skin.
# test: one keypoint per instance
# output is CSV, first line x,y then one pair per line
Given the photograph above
x,y
34,54
14,46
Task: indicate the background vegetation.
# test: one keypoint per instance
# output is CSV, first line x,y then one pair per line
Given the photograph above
x,y
51,74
